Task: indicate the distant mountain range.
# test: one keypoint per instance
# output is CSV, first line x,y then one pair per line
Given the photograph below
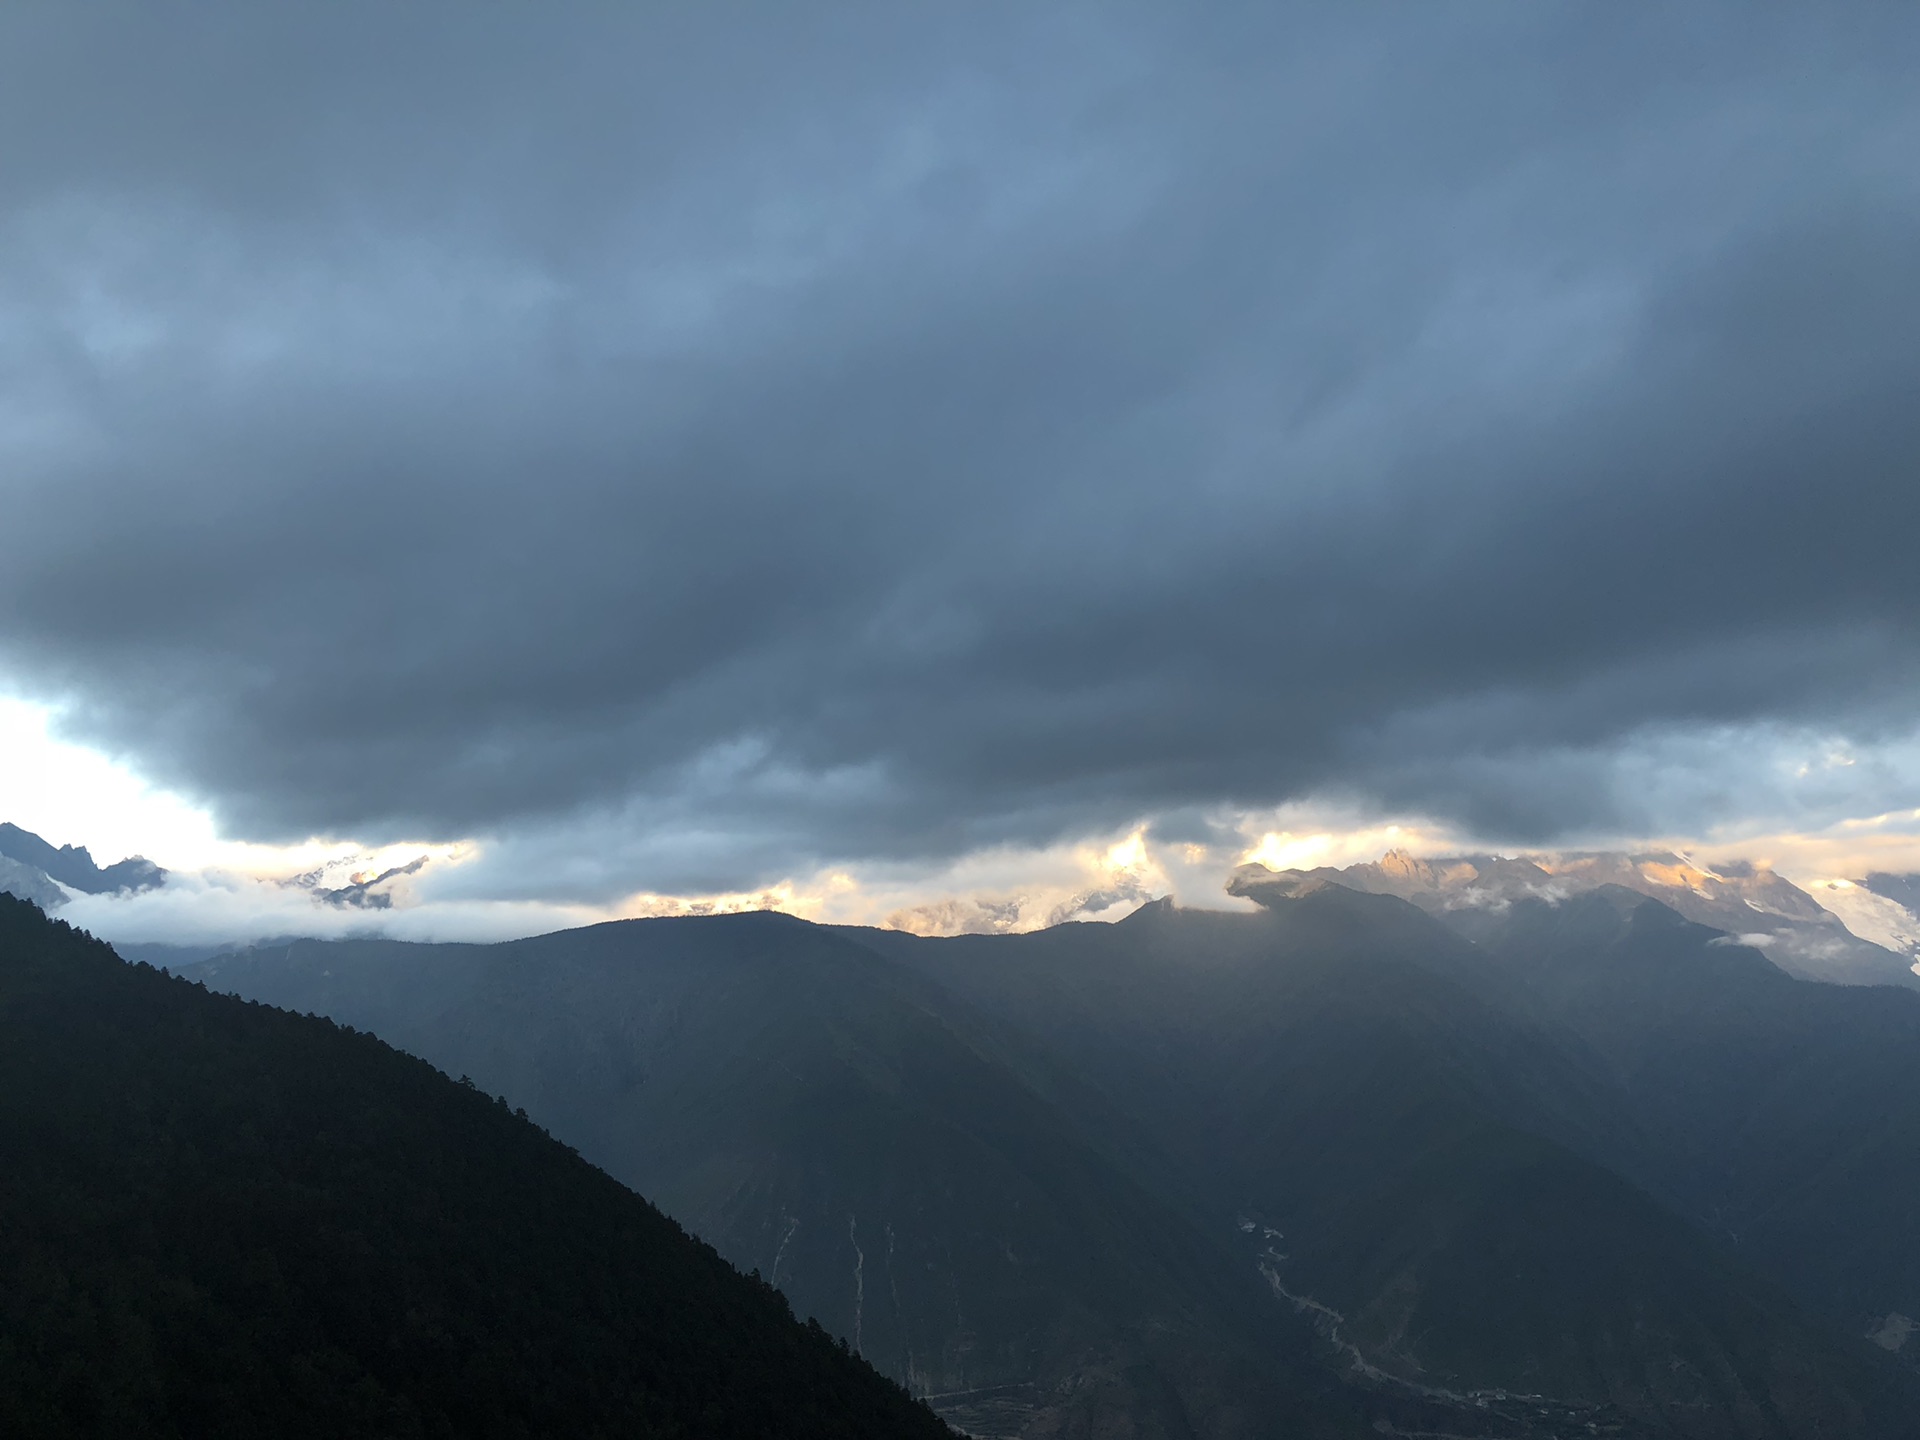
x,y
1799,933
1862,931
32,869
1474,1146
1331,1168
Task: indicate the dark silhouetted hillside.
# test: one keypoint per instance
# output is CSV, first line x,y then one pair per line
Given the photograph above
x,y
218,1219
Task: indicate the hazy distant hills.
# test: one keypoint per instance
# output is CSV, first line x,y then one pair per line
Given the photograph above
x,y
218,1219
29,868
1798,933
1303,1171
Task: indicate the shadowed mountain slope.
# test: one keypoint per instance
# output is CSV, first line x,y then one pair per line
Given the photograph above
x,y
1792,928
1416,1158
1100,1179
218,1219
866,1142
1783,1114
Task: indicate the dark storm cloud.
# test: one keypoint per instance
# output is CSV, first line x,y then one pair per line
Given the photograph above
x,y
783,438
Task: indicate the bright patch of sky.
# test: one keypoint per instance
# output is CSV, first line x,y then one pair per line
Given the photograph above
x,y
72,795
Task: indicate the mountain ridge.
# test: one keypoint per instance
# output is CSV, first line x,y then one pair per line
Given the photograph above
x,y
848,1130
1327,1072
1794,930
69,865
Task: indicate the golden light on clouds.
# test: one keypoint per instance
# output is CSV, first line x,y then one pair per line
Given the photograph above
x,y
1846,849
1280,850
809,903
1129,854
1289,850
231,890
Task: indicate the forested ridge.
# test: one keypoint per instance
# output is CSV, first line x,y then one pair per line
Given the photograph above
x,y
221,1219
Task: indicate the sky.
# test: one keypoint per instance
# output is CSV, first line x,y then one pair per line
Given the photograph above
x,y
879,458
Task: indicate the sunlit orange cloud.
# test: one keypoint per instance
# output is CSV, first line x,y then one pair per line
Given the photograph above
x,y
1006,889
1288,850
1106,877
1847,849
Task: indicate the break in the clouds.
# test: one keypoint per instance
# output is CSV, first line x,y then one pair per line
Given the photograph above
x,y
694,446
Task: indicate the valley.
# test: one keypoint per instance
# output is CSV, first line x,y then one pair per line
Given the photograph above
x,y
1014,1172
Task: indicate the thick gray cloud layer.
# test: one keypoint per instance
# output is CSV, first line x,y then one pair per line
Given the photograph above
x,y
792,437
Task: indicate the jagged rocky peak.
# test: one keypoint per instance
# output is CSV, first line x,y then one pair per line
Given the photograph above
x,y
1448,881
35,869
1403,866
1401,871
